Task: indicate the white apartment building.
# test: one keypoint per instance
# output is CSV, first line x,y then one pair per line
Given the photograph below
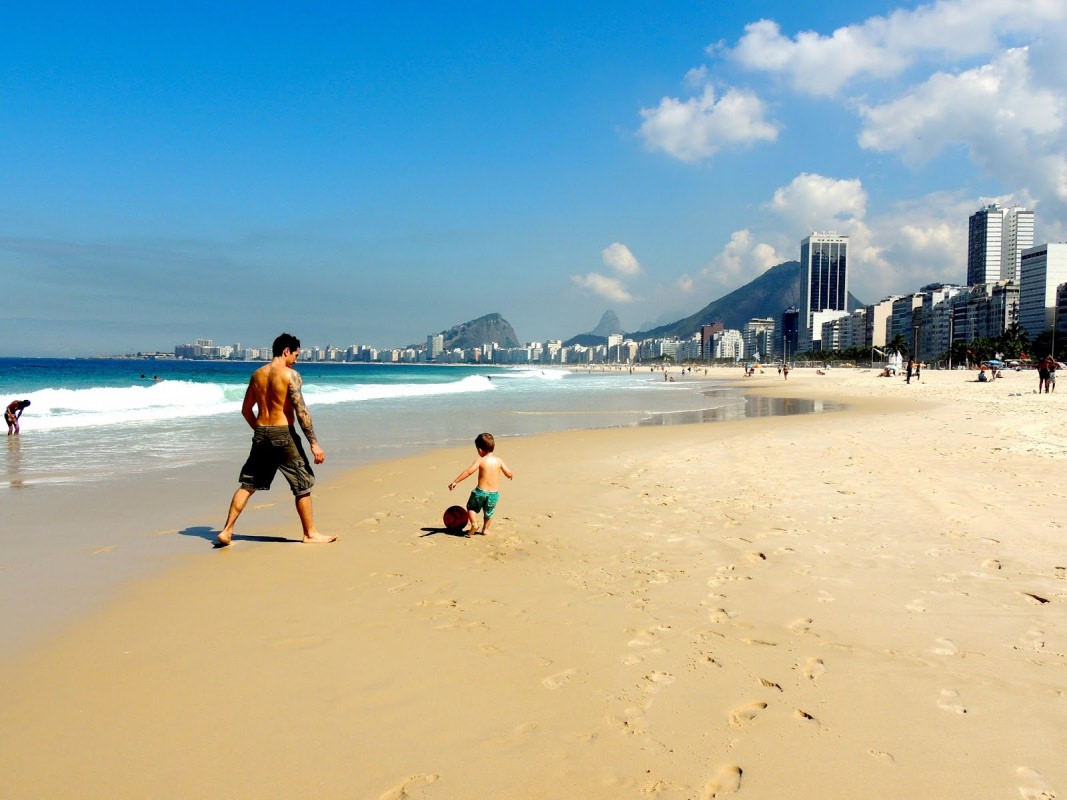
x,y
759,337
728,344
1044,268
996,238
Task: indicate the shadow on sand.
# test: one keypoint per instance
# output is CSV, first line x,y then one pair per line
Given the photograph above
x,y
209,534
457,532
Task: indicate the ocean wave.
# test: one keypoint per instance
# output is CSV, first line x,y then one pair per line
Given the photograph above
x,y
64,409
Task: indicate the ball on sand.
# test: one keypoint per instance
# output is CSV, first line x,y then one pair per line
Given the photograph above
x,y
456,517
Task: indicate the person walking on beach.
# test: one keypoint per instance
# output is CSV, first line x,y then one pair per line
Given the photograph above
x,y
272,401
12,413
485,495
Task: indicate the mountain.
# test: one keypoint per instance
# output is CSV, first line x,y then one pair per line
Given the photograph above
x,y
609,324
768,295
481,331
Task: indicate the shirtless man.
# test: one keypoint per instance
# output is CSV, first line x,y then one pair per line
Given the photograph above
x,y
12,413
271,402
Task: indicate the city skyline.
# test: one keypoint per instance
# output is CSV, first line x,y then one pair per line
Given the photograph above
x,y
378,172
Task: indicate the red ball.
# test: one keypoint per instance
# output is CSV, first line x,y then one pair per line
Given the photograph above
x,y
456,517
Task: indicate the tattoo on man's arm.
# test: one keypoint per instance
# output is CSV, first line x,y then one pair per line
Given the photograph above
x,y
303,416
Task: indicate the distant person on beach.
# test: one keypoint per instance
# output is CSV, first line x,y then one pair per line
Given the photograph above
x,y
911,369
272,401
12,413
485,495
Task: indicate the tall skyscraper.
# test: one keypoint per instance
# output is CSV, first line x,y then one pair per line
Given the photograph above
x,y
996,238
823,276
1018,236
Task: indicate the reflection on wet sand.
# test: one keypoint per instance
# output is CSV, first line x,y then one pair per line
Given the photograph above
x,y
745,407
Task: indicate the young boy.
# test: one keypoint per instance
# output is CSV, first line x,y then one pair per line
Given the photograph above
x,y
489,468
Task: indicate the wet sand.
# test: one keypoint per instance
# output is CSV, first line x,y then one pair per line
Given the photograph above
x,y
869,602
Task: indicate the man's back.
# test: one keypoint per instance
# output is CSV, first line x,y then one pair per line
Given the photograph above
x,y
268,390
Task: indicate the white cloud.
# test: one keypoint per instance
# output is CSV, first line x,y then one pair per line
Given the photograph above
x,y
884,46
685,284
991,109
741,260
816,203
604,286
699,127
619,258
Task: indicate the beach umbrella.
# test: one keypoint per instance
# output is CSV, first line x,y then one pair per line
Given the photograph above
x,y
994,362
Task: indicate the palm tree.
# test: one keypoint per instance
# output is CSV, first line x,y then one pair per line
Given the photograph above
x,y
898,344
1013,342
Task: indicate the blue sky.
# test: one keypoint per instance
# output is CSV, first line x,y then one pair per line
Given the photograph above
x,y
369,173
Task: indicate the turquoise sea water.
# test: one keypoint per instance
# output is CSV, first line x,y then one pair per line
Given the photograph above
x,y
99,419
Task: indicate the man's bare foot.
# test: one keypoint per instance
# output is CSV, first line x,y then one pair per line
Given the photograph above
x,y
223,539
318,538
468,532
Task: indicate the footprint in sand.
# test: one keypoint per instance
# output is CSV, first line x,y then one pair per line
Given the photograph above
x,y
804,716
991,563
1037,600
950,701
632,721
410,784
883,757
726,782
1037,788
802,625
559,680
656,679
814,668
946,647
916,607
769,684
720,615
743,715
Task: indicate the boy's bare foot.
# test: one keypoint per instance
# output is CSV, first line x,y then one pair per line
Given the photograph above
x,y
318,538
468,532
223,539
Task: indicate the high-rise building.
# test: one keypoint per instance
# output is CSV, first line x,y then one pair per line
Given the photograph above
x,y
996,238
1018,236
823,278
1043,269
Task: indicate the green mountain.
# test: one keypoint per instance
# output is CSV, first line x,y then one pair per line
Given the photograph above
x,y
481,331
767,295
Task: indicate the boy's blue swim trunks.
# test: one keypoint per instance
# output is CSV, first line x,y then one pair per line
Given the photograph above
x,y
481,500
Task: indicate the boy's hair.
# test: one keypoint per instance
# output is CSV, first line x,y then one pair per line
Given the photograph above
x,y
485,441
284,341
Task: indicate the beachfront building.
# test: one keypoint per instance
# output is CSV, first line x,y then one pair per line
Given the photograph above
x,y
811,338
932,321
984,311
728,344
707,339
1018,236
823,282
1044,268
846,331
758,334
901,321
996,239
435,345
878,316
787,333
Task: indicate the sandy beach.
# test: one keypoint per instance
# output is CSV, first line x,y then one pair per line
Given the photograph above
x,y
860,603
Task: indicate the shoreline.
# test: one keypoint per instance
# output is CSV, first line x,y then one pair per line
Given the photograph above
x,y
768,606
